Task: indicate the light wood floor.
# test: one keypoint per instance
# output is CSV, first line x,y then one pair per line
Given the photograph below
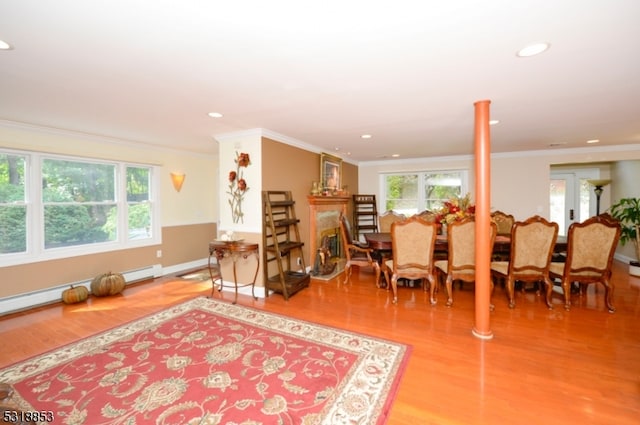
x,y
541,367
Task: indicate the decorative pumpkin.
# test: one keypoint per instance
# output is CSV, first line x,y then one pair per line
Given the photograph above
x,y
107,284
75,294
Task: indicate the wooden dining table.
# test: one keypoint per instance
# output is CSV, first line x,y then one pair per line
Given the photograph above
x,y
382,242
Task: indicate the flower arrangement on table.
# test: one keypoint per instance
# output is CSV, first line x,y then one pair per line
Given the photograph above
x,y
238,186
456,209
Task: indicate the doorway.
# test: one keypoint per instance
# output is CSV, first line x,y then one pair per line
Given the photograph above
x,y
571,198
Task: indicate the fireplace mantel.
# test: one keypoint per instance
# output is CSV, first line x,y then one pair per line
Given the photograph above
x,y
321,204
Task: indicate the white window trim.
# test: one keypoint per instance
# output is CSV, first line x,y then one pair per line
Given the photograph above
x,y
35,251
464,174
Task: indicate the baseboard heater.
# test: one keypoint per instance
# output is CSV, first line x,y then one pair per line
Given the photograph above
x,y
29,300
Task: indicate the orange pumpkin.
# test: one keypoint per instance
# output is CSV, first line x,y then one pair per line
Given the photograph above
x,y
75,294
107,284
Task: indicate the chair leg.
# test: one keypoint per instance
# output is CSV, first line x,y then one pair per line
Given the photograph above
x,y
376,267
493,286
347,272
548,284
449,287
394,286
566,288
608,295
432,290
511,292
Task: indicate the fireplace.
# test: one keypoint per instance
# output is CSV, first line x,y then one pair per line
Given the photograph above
x,y
332,235
324,220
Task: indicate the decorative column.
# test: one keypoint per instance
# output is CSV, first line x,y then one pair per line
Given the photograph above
x,y
482,327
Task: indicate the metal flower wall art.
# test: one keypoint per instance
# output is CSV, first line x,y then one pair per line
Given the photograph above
x,y
238,187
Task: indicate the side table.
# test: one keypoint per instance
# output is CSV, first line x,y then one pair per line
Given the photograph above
x,y
234,250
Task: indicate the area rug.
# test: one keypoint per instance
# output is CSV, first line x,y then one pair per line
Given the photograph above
x,y
210,362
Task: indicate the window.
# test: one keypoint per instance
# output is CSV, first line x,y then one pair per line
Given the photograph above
x,y
411,193
13,207
78,206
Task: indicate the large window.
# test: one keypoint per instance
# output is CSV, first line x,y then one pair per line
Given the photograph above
x,y
411,193
53,206
13,207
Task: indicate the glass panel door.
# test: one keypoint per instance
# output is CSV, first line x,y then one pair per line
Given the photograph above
x,y
571,198
562,201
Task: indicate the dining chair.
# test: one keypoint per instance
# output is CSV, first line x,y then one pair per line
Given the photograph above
x,y
503,221
590,248
532,245
357,253
428,216
461,261
413,241
388,218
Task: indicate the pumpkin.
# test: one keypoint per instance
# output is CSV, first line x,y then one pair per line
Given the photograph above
x,y
107,284
75,294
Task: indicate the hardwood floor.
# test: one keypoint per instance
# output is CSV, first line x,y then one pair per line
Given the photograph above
x,y
542,366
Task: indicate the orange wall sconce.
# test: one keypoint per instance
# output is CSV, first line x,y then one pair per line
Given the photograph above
x,y
177,179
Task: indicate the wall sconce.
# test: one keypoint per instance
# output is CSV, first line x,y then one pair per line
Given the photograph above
x,y
597,188
177,179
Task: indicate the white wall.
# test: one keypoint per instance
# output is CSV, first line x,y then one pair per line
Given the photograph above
x,y
519,180
249,142
627,172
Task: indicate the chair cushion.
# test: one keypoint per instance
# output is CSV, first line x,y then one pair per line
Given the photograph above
x,y
442,265
501,267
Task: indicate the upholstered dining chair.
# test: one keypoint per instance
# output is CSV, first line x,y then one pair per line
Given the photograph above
x,y
388,218
532,244
413,242
590,248
503,221
461,262
357,253
428,216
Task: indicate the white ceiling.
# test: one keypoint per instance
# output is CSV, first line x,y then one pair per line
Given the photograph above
x,y
325,72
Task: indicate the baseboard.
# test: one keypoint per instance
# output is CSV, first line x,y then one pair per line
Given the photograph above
x,y
41,297
623,258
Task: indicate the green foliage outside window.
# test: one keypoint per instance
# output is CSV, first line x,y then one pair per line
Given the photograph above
x,y
415,192
78,200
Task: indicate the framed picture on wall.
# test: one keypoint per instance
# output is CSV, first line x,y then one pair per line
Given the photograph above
x,y
330,171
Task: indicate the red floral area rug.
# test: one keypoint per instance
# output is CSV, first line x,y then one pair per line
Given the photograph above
x,y
210,362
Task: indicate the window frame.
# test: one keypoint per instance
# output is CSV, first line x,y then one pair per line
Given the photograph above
x,y
35,242
421,181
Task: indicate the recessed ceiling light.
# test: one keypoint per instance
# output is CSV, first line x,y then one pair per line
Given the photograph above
x,y
593,141
365,136
494,122
395,155
215,114
532,50
5,46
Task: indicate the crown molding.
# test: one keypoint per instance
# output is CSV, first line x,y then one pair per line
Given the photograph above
x,y
78,135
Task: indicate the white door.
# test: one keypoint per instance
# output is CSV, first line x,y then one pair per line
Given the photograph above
x,y
571,198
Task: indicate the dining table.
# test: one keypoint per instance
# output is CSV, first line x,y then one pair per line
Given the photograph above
x,y
381,242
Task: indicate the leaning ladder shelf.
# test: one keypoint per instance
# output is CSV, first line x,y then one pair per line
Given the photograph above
x,y
282,245
365,214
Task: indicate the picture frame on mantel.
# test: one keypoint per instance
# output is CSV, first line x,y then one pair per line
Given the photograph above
x,y
330,172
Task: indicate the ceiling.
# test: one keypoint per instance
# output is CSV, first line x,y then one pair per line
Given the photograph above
x,y
326,72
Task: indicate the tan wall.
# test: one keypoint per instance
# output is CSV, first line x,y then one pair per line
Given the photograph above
x,y
180,244
286,167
